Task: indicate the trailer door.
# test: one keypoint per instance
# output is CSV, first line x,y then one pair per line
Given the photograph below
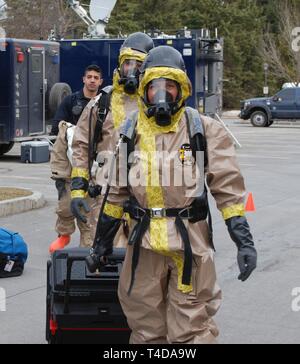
x,y
36,97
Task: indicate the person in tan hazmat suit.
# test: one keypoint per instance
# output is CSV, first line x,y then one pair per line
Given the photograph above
x,y
66,118
122,101
168,288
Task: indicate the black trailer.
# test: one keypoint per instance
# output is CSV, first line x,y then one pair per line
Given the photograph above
x,y
30,91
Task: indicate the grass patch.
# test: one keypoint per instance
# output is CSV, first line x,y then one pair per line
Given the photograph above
x,y
7,193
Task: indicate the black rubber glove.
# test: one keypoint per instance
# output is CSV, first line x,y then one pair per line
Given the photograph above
x,y
105,234
77,205
239,231
60,185
107,229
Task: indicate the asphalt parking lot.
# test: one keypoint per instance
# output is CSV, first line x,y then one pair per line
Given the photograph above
x,y
257,311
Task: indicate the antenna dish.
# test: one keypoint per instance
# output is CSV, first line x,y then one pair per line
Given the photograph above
x,y
101,9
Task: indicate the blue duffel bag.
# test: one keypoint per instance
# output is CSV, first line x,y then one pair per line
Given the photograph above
x,y
13,254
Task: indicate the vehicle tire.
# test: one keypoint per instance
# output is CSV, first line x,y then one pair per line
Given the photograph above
x,y
5,148
58,92
271,122
259,119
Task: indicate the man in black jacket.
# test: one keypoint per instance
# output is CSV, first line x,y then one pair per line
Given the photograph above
x,y
67,115
72,106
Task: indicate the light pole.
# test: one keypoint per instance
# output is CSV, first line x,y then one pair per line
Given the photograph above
x,y
266,88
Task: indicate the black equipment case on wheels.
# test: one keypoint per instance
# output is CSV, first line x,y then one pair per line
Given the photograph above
x,y
83,308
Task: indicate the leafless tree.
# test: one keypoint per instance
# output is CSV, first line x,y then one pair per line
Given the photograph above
x,y
34,19
2,10
279,50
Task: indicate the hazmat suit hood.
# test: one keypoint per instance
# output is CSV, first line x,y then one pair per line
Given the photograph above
x,y
162,112
129,83
168,73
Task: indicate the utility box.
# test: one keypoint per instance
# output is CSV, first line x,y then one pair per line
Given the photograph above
x,y
35,152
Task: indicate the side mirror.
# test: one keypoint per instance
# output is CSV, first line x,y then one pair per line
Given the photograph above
x,y
276,98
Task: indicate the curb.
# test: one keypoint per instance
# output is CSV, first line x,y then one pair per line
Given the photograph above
x,y
22,204
231,114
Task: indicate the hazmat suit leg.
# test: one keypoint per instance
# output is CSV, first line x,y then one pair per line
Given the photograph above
x,y
145,308
157,312
189,316
86,231
65,223
85,234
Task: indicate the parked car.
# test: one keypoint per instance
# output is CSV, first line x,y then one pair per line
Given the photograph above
x,y
264,110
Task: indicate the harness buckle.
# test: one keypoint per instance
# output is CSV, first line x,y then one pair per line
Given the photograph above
x,y
138,212
158,213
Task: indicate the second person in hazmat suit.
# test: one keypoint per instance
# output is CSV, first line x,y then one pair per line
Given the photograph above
x,y
168,288
121,101
64,124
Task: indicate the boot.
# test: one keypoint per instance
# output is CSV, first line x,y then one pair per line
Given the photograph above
x,y
59,243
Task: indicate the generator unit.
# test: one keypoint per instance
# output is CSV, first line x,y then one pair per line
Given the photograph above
x,y
203,56
29,89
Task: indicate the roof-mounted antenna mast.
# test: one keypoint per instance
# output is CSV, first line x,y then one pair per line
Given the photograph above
x,y
98,16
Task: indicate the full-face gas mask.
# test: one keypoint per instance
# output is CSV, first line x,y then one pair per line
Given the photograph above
x,y
129,75
161,98
164,85
132,54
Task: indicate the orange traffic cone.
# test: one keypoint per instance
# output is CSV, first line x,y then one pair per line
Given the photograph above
x,y
250,207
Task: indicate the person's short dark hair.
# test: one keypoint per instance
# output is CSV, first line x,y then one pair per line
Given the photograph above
x,y
93,67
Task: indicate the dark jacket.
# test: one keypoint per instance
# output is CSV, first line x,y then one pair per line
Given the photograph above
x,y
70,110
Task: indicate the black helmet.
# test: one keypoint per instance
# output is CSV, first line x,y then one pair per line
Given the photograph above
x,y
164,85
139,42
164,56
133,52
